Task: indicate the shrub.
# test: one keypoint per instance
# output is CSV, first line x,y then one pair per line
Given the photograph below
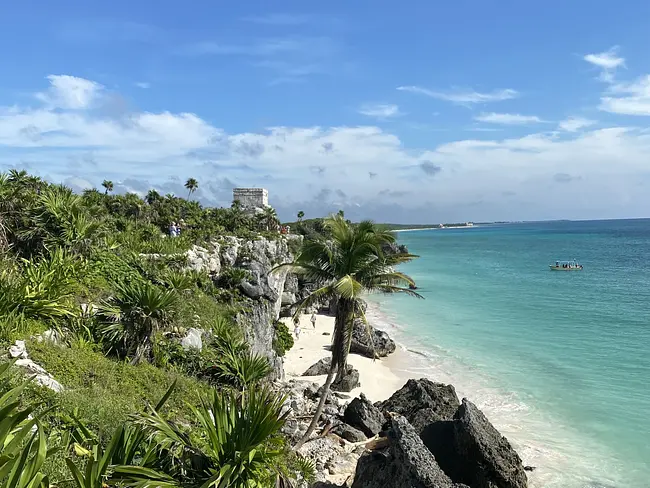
x,y
282,338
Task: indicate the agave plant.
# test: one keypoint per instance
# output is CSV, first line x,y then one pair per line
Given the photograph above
x,y
236,444
133,316
24,444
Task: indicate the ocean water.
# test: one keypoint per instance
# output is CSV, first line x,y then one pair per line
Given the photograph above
x,y
559,361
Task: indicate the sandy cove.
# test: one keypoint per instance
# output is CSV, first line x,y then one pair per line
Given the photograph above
x,y
378,381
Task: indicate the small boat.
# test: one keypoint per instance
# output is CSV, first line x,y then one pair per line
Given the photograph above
x,y
572,265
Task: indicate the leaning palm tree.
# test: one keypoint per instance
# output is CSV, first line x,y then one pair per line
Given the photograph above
x,y
191,184
301,214
108,186
346,267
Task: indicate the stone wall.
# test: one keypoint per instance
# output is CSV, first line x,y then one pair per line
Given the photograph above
x,y
251,197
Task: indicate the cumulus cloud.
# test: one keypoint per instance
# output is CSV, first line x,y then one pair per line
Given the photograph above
x,y
608,61
628,98
70,92
573,124
143,84
513,177
379,110
508,119
464,96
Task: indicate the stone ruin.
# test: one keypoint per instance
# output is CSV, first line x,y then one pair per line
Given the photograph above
x,y
251,199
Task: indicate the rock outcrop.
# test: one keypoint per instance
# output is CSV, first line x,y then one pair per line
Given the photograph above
x,y
264,289
348,382
405,462
19,352
470,450
423,402
322,366
363,415
365,341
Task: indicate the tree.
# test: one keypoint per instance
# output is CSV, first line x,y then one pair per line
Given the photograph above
x,y
301,214
348,265
269,218
191,184
108,186
152,197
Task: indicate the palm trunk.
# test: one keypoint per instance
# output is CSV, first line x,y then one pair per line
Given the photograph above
x,y
319,409
342,335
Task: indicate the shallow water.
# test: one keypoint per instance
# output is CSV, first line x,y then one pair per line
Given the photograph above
x,y
558,360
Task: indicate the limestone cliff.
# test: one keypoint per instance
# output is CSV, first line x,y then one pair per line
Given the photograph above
x,y
263,289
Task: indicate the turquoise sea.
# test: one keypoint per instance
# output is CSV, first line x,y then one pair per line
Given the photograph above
x,y
559,361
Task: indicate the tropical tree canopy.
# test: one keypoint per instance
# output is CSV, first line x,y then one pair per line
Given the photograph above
x,y
108,185
192,185
348,266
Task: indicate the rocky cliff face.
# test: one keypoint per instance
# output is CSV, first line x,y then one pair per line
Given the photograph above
x,y
264,289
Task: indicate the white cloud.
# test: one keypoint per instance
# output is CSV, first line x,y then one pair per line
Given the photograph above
x,y
573,124
143,84
508,119
280,19
608,60
464,97
379,110
70,92
455,181
628,98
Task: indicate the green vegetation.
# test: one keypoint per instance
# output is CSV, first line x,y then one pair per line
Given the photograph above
x,y
100,273
352,262
283,340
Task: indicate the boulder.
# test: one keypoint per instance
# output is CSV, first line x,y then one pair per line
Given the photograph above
x,y
349,433
193,339
366,338
485,458
18,350
423,402
322,366
363,415
348,382
404,463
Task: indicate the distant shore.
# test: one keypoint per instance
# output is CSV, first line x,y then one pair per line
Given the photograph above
x,y
436,228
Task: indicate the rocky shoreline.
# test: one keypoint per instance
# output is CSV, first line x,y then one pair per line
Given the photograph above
x,y
422,436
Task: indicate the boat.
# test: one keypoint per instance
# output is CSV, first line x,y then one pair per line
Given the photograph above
x,y
572,265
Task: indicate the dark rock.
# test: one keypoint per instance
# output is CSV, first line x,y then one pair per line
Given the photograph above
x,y
530,468
322,366
422,402
326,333
363,415
326,484
349,433
348,382
405,463
488,459
342,396
365,340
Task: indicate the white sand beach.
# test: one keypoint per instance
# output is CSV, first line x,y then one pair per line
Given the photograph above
x,y
378,381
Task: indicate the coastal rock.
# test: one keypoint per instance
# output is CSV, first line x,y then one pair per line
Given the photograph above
x,y
333,464
201,259
485,457
348,382
349,433
423,402
41,376
193,339
366,338
322,366
18,350
405,462
363,415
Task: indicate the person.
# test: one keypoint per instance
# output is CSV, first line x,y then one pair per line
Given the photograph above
x,y
313,320
296,329
172,230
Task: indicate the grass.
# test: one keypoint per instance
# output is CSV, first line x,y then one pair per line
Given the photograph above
x,y
103,393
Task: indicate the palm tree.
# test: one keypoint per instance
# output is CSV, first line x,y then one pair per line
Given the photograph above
x,y
269,218
152,197
108,186
348,265
191,184
301,214
134,315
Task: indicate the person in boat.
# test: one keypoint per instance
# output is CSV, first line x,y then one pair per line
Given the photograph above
x,y
557,264
412,287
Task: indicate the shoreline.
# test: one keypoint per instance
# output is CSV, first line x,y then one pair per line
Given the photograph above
x,y
377,377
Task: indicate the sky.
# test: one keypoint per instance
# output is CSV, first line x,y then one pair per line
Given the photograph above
x,y
405,112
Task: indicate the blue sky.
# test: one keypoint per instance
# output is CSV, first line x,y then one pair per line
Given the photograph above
x,y
397,111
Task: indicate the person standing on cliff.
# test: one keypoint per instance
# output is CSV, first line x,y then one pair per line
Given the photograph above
x,y
313,320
